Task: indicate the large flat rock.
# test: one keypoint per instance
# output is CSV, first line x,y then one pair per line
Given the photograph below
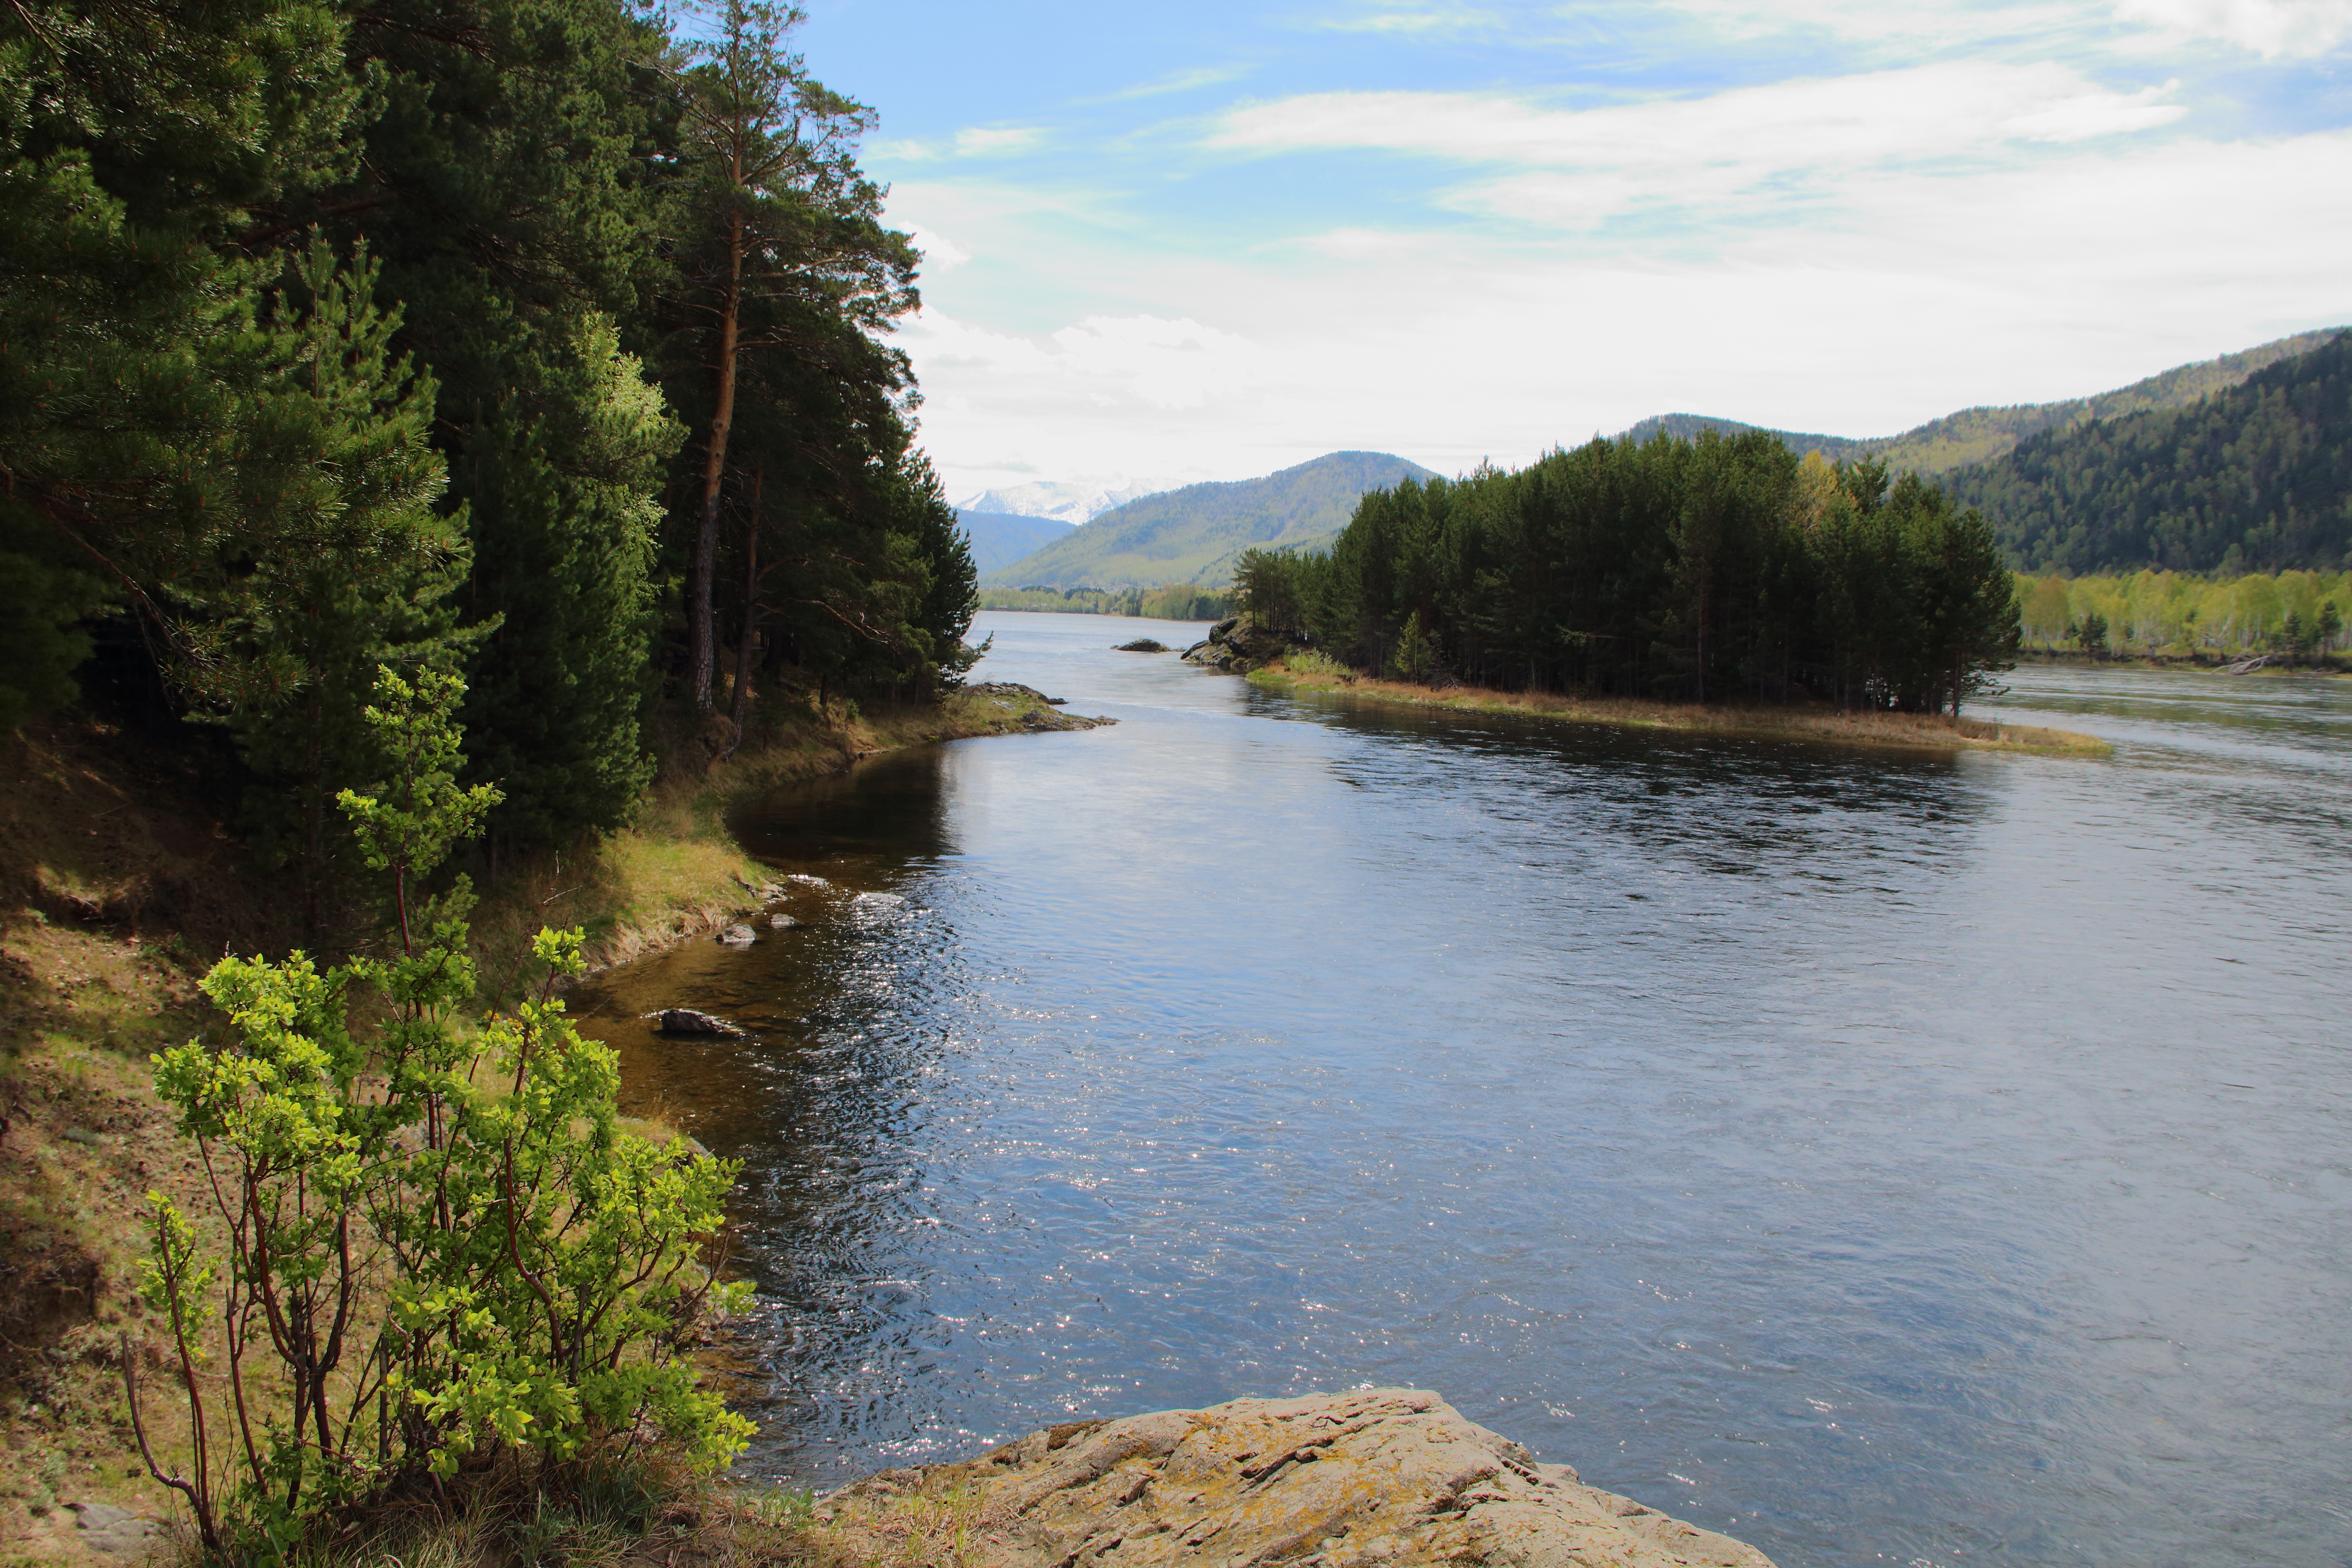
x,y
1383,1477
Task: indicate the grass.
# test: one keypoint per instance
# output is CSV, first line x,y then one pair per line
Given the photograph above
x,y
119,883
1315,672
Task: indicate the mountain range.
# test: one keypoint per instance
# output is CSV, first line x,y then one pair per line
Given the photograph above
x,y
1979,435
1061,499
2252,477
1193,534
2242,462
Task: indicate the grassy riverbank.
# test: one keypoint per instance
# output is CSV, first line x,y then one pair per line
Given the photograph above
x,y
120,883
1907,731
2330,666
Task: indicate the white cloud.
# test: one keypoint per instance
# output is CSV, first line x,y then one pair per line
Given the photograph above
x,y
1177,81
1084,402
1915,25
2269,28
2100,263
940,252
1161,363
1410,18
1788,141
977,143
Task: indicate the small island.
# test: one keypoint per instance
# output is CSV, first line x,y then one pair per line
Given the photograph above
x,y
1715,584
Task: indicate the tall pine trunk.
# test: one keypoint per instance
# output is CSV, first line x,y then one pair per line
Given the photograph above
x,y
703,630
741,699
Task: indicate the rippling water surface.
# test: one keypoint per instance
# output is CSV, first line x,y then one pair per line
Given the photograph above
x,y
1881,1157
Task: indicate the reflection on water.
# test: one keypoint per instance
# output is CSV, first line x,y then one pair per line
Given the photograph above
x,y
1881,1157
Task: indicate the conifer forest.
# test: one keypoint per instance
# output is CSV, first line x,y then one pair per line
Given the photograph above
x,y
525,341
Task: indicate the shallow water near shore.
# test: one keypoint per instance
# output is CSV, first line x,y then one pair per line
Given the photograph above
x,y
1879,1157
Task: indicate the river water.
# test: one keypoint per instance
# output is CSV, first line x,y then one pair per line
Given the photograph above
x,y
1881,1157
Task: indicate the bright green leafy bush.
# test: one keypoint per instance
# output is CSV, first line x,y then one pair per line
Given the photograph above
x,y
441,1243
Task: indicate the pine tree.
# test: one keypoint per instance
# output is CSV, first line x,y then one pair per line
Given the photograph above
x,y
563,582
783,247
512,177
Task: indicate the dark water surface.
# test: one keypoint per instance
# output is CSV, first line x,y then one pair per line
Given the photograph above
x,y
1880,1157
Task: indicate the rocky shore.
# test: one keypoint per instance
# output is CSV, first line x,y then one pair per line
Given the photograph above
x,y
1239,645
1384,1477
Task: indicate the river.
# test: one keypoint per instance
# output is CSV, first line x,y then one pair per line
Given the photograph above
x,y
1881,1157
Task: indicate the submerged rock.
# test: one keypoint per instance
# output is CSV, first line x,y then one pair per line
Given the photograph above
x,y
1384,1477
687,1021
782,923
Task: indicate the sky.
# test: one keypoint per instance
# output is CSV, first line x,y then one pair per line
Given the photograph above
x,y
1206,241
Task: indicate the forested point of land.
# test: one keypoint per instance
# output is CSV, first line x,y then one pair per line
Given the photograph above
x,y
2254,478
514,339
1715,569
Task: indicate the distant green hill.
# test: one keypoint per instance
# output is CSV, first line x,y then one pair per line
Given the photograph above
x,y
1979,435
2257,476
1192,535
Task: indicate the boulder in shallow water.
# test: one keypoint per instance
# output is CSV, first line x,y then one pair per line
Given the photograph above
x,y
687,1021
739,935
1383,1477
1142,645
1239,646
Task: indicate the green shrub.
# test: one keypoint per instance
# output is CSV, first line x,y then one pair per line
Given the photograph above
x,y
1315,661
441,1243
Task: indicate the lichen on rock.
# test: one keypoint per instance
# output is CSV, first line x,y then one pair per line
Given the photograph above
x,y
1383,1477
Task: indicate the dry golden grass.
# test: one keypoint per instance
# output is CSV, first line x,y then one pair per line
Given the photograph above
x,y
940,1525
1908,731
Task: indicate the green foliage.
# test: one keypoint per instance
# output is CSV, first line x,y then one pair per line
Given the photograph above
x,y
1705,569
1266,585
440,1241
42,603
566,525
2256,477
336,336
950,593
2179,615
1416,657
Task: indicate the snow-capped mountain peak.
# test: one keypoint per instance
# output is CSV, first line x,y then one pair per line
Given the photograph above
x,y
1065,501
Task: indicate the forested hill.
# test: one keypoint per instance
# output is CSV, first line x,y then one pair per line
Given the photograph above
x,y
1194,534
1980,435
2257,478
